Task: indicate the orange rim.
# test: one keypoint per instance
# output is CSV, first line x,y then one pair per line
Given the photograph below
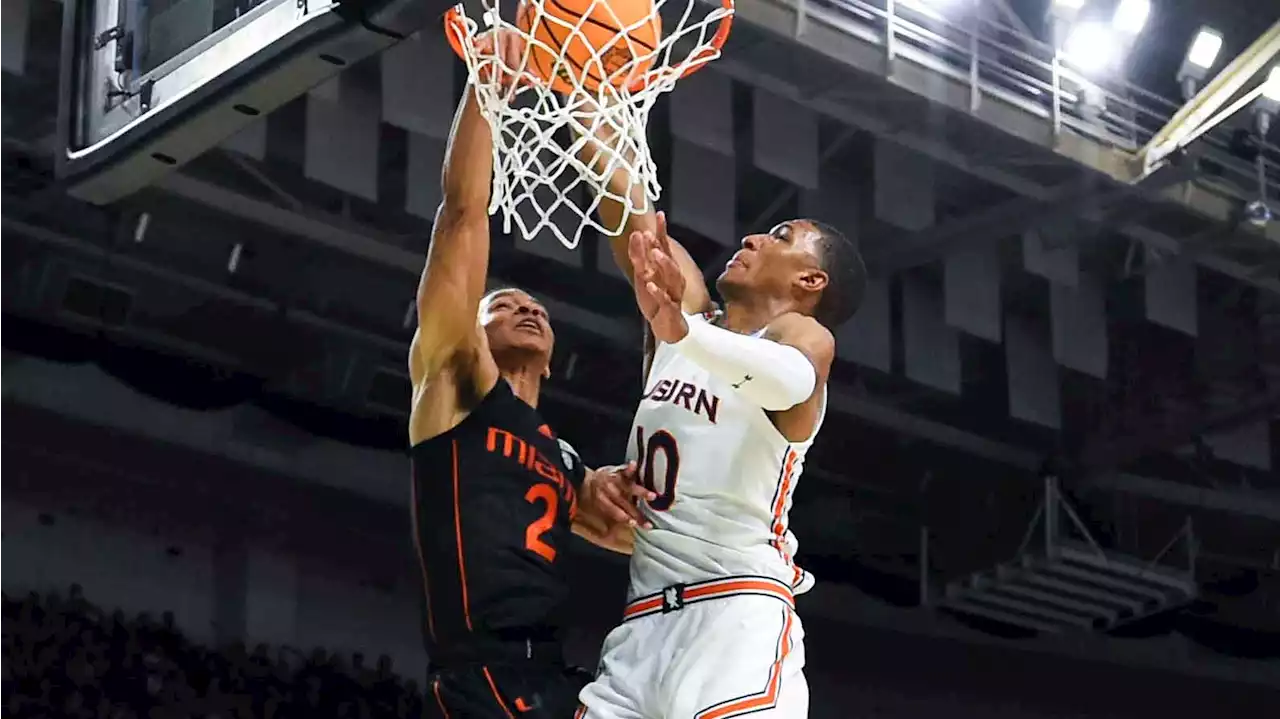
x,y
698,58
455,29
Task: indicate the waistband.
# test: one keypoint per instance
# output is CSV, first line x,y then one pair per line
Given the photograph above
x,y
539,646
678,596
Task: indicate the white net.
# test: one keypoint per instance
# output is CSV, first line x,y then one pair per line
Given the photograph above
x,y
558,141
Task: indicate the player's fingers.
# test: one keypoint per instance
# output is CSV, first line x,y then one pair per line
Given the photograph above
x,y
620,505
662,232
503,52
636,251
670,271
630,512
638,492
655,241
514,51
644,270
666,273
617,512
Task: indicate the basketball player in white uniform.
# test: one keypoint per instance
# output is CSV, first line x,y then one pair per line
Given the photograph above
x,y
733,399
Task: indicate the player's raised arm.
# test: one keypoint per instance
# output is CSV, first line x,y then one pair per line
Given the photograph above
x,y
446,348
453,280
777,371
621,183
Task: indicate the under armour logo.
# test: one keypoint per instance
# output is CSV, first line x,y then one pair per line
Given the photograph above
x,y
745,380
672,598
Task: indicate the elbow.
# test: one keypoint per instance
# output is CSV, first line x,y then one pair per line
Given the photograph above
x,y
789,390
458,213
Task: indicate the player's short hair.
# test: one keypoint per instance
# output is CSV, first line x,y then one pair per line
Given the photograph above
x,y
492,295
847,276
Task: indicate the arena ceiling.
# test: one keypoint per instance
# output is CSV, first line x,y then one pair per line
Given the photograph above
x,y
315,307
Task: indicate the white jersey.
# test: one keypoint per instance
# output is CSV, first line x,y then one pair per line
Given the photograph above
x,y
724,474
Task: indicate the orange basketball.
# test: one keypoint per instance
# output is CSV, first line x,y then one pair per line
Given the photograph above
x,y
598,51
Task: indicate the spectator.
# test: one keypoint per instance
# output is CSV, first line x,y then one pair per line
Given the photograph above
x,y
65,657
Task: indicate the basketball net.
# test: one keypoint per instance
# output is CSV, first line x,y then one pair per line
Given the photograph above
x,y
541,183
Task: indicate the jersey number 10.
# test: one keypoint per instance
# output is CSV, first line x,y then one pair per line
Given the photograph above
x,y
660,441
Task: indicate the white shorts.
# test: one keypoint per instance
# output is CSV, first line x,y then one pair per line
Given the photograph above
x,y
710,650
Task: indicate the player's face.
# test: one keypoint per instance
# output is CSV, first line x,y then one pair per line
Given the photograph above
x,y
775,261
515,321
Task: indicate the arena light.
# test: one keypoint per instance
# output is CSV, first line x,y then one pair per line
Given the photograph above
x,y
1200,56
1204,49
1131,16
1267,105
1092,47
1271,89
1061,14
932,8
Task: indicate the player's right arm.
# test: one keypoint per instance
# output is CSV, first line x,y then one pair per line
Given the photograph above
x,y
621,184
449,360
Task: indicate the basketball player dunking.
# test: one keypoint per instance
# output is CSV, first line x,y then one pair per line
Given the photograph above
x,y
733,399
495,492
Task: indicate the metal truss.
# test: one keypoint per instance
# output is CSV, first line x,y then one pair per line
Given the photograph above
x,y
1069,583
1194,117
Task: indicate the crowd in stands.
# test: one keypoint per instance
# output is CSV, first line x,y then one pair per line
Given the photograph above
x,y
66,657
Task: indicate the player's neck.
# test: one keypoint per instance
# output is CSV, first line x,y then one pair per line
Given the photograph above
x,y
748,317
526,383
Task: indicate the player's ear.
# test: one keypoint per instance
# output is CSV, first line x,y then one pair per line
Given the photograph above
x,y
813,280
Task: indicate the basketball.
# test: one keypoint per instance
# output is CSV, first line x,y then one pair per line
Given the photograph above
x,y
599,49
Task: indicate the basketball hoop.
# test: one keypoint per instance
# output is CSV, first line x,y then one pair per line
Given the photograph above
x,y
589,69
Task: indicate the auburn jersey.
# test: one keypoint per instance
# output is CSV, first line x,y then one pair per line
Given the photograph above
x,y
724,476
493,500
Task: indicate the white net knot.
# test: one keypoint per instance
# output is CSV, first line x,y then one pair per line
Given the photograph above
x,y
555,149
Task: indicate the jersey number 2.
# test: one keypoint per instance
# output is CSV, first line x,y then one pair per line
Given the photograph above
x,y
545,494
660,441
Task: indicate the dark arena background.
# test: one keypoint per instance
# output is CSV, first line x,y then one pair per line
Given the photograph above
x,y
1047,485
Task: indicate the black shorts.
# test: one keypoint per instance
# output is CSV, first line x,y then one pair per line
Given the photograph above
x,y
505,689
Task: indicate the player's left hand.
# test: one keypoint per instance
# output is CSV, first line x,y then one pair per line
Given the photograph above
x,y
659,283
501,51
613,494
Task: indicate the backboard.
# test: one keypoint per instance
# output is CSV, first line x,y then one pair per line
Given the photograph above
x,y
147,85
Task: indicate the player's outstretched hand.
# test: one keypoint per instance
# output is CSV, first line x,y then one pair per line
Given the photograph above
x,y
613,494
507,48
659,283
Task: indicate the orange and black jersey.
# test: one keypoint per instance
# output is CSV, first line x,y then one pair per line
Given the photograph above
x,y
493,499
